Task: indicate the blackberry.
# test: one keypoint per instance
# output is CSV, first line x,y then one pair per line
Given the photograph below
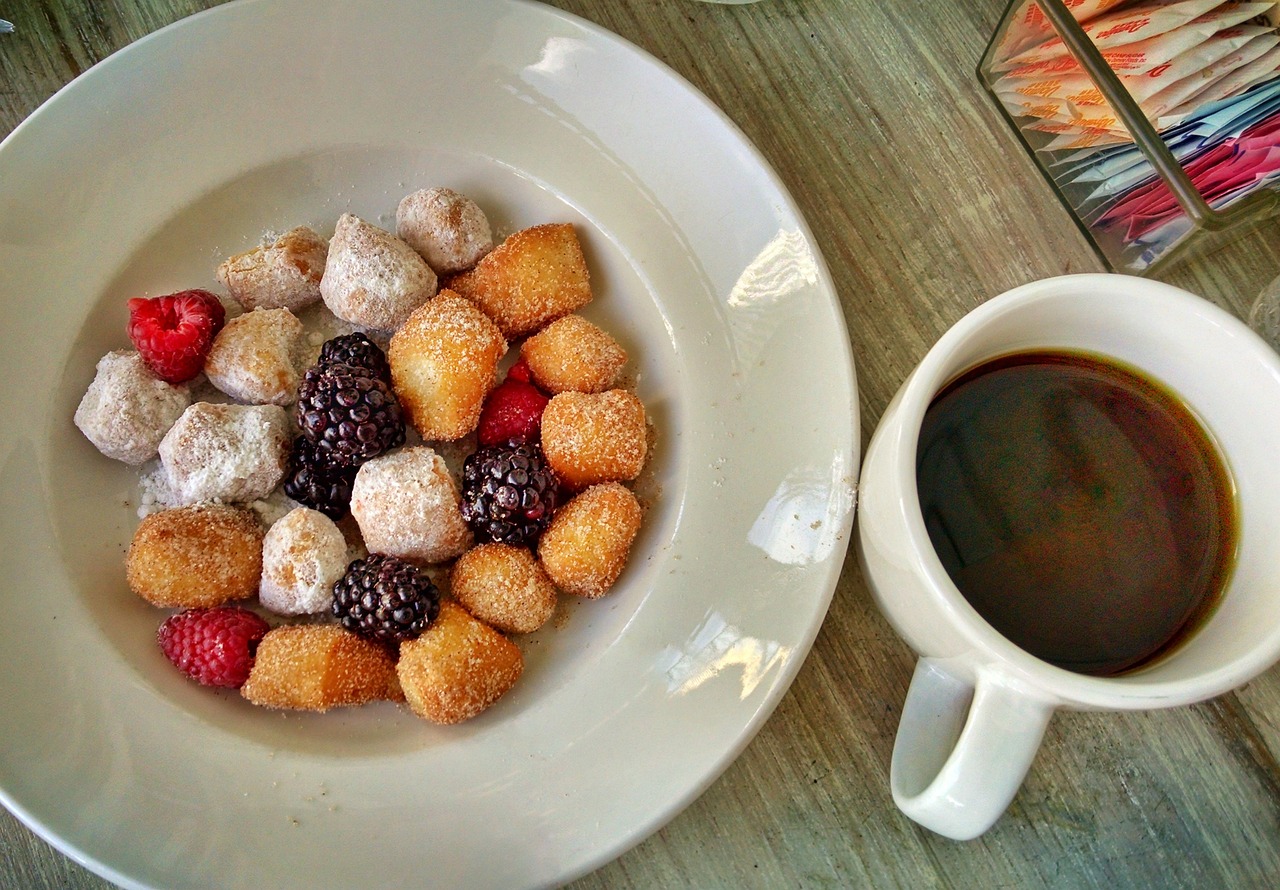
x,y
316,486
348,414
508,492
385,599
356,349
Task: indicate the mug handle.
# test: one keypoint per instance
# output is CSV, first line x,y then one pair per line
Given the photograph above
x,y
962,750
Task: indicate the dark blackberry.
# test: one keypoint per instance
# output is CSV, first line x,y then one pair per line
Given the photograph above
x,y
508,492
348,414
316,486
356,349
385,599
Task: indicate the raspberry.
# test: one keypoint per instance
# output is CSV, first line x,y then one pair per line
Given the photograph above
x,y
520,371
356,349
348,414
508,492
385,599
513,410
314,485
173,333
214,647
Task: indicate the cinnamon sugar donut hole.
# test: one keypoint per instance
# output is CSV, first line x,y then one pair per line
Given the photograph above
x,y
444,360
283,275
196,557
315,667
458,668
573,355
447,229
372,278
535,276
595,437
254,357
505,587
585,548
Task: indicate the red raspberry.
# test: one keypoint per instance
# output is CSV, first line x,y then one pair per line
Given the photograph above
x,y
520,371
173,333
513,410
214,647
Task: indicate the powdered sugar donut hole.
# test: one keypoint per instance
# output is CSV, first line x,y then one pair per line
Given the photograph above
x,y
303,555
447,229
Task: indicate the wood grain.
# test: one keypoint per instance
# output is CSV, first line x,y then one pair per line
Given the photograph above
x,y
924,206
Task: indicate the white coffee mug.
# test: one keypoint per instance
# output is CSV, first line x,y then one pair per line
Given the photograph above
x,y
978,705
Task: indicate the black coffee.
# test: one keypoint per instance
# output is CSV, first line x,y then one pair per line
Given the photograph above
x,y
1080,508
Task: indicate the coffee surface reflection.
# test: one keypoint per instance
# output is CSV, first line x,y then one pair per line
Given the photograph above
x,y
1079,507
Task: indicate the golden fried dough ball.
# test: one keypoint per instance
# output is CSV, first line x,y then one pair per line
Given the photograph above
x,y
595,437
586,546
535,276
315,667
457,668
198,556
504,586
572,354
444,361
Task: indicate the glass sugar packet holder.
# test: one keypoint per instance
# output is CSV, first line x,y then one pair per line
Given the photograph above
x,y
1148,187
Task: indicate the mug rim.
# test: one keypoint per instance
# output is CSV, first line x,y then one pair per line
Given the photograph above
x,y
1127,690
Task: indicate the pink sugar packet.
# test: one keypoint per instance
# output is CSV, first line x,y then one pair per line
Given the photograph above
x,y
1241,176
1251,117
1224,174
1152,198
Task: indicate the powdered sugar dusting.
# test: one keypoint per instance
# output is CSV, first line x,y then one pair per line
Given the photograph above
x,y
447,229
226,452
407,504
127,410
372,278
303,555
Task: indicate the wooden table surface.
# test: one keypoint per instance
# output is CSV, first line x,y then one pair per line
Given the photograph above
x,y
924,206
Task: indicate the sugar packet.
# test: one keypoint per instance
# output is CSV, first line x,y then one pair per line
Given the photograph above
x,y
1119,27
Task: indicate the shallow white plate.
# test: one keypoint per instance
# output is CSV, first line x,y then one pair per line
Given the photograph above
x,y
189,145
